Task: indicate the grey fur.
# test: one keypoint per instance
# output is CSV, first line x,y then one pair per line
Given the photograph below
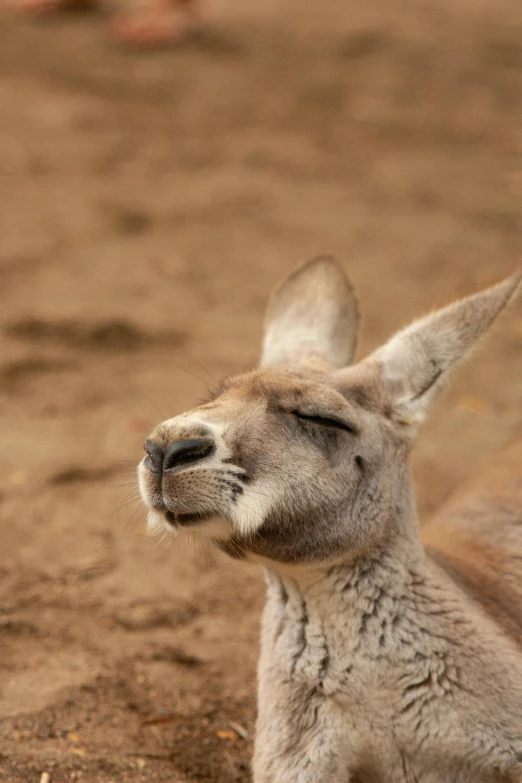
x,y
378,664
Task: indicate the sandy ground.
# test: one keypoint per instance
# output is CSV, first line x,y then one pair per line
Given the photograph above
x,y
148,203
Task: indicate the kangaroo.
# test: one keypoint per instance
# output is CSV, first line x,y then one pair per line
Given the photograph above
x,y
383,659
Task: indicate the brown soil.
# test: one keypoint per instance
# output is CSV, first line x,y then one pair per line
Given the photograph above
x,y
148,204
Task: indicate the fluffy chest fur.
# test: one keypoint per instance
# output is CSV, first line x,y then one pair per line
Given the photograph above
x,y
373,662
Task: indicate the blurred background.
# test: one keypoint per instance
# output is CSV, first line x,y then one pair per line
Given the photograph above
x,y
148,203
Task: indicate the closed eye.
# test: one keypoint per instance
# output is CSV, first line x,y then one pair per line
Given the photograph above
x,y
325,421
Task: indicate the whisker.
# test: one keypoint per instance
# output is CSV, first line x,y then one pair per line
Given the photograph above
x,y
188,372
146,396
195,359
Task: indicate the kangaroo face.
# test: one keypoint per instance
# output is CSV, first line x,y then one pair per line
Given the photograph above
x,y
285,459
304,460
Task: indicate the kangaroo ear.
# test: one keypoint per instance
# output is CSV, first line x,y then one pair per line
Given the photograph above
x,y
414,365
312,317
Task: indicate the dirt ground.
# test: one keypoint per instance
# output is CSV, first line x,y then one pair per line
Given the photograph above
x,y
148,202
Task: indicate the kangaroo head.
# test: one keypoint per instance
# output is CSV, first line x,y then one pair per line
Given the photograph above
x,y
305,459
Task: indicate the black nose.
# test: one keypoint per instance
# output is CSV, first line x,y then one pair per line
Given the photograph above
x,y
182,452
185,452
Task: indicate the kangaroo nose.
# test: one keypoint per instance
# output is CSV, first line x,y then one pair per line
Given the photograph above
x,y
182,452
186,452
154,458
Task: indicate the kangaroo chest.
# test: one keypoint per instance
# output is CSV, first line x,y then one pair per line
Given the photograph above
x,y
371,679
